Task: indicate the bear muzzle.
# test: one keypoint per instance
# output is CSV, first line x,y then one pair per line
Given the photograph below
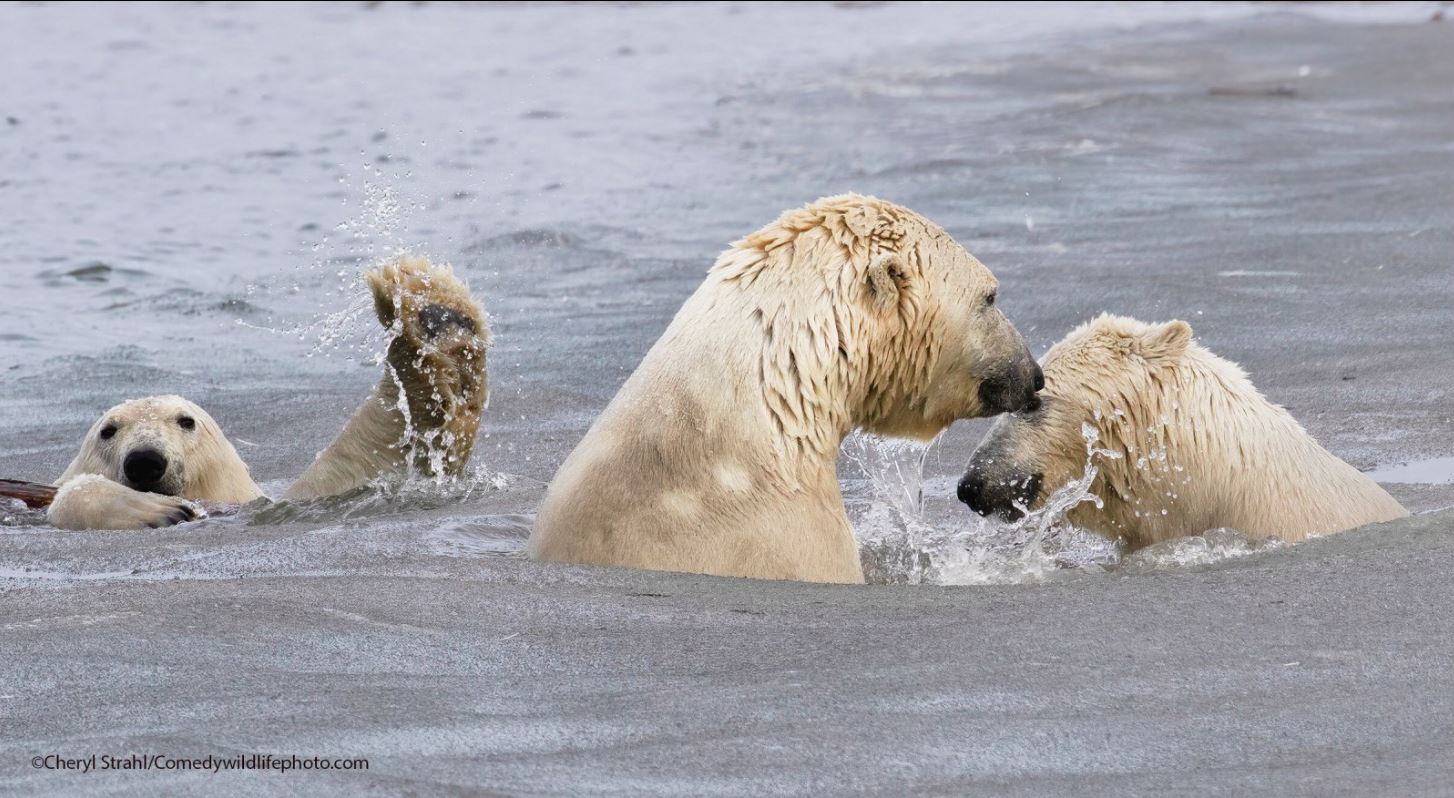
x,y
1006,499
1014,392
145,470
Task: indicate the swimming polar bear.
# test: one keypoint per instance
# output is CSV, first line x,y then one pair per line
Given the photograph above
x,y
719,454
1190,445
145,462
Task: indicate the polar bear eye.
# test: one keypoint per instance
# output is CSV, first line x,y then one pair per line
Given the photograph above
x,y
990,299
108,432
187,422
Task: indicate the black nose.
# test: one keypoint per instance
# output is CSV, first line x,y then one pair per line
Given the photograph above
x,y
144,467
1003,498
971,492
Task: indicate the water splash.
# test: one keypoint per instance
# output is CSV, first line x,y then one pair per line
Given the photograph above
x,y
373,232
904,540
889,506
1211,546
392,494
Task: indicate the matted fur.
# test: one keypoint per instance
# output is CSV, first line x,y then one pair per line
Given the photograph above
x,y
423,414
440,375
202,466
1200,447
719,453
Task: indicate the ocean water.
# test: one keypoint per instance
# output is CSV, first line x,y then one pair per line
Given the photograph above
x,y
191,192
226,214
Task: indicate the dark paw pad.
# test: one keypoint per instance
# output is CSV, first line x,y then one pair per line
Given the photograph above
x,y
437,319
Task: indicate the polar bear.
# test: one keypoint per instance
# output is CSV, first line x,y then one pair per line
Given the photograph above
x,y
1188,444
145,462
719,454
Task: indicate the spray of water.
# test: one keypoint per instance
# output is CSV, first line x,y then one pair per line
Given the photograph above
x,y
395,494
375,230
904,540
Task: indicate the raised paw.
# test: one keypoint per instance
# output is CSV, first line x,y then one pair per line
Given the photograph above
x,y
436,321
426,304
436,359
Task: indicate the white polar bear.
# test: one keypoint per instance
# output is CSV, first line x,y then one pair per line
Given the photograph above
x,y
1193,446
719,454
145,462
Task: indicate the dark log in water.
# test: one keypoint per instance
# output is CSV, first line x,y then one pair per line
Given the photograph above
x,y
34,494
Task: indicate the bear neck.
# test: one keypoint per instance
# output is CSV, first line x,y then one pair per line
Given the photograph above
x,y
1207,450
779,390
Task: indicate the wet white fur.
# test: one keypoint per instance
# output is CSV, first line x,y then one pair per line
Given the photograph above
x,y
439,381
205,464
1201,448
719,453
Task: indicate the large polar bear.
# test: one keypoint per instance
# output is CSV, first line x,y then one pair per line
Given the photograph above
x,y
719,454
145,461
1188,444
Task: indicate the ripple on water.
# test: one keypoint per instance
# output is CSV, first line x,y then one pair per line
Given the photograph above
x,y
487,536
92,273
1438,471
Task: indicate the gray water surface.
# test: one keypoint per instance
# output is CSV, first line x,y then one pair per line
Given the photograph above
x,y
191,191
1435,471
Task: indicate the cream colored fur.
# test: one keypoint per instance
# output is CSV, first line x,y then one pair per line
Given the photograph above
x,y
423,414
719,453
1200,447
425,411
91,501
203,467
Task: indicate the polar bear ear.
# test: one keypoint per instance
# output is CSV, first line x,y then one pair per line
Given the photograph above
x,y
1165,342
885,274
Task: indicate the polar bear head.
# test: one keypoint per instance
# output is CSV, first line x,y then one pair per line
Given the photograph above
x,y
870,315
167,445
1114,383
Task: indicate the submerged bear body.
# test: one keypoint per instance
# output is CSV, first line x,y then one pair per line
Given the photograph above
x,y
1186,443
145,462
719,453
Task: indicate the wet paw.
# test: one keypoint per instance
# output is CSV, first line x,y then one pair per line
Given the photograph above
x,y
155,511
437,320
438,352
436,360
425,303
180,515
91,501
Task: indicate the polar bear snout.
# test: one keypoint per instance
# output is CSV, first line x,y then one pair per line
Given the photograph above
x,y
1006,498
1015,390
145,469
